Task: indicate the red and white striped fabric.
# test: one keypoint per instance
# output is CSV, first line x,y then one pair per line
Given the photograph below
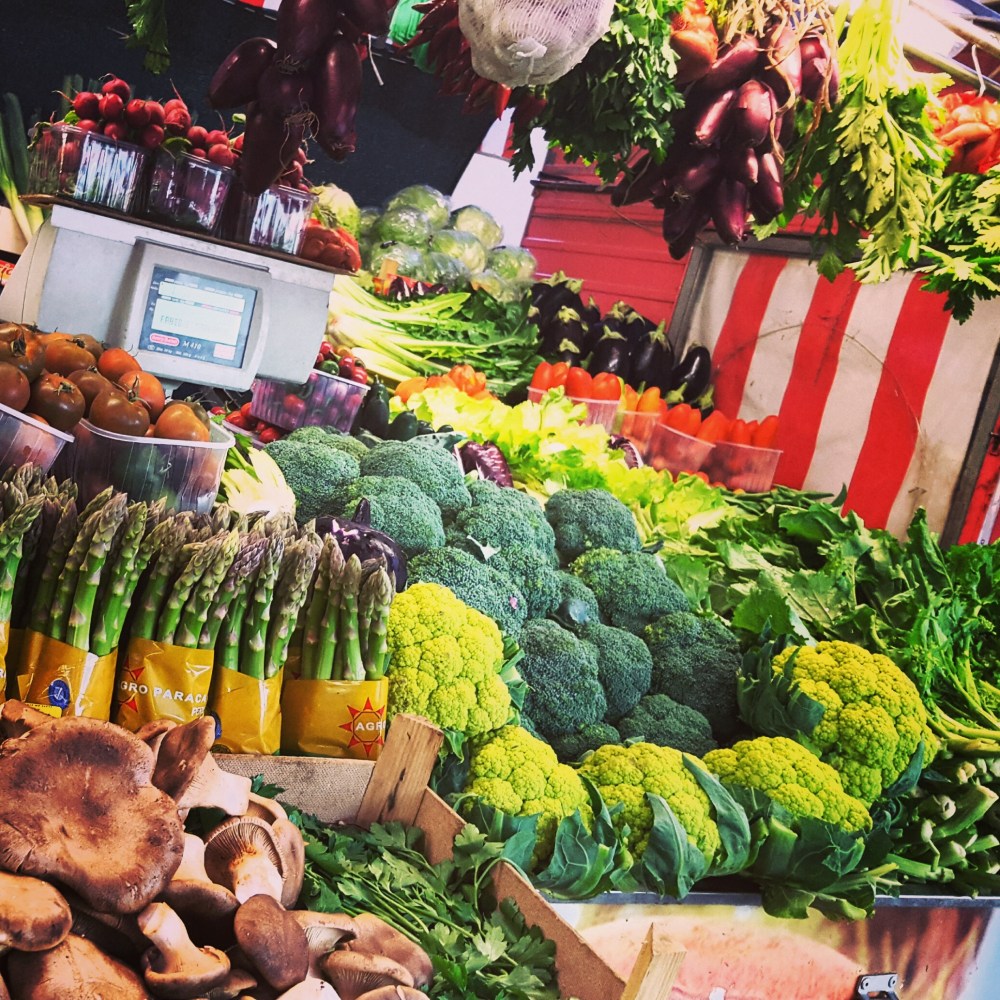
x,y
876,386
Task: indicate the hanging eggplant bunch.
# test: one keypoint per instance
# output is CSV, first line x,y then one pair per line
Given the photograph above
x,y
305,86
726,161
449,59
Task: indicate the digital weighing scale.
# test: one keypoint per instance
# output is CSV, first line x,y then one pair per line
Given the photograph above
x,y
189,308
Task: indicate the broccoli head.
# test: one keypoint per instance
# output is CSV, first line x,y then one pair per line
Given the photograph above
x,y
398,507
533,575
503,518
432,468
573,747
590,519
624,667
445,660
632,588
479,584
667,723
315,474
696,661
518,774
564,691
577,603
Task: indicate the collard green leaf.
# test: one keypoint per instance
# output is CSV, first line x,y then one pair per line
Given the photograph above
x,y
519,834
671,864
731,819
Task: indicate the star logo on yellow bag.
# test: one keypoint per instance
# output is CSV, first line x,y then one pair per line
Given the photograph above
x,y
367,727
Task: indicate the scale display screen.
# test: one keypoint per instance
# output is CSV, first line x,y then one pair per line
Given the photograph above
x,y
197,317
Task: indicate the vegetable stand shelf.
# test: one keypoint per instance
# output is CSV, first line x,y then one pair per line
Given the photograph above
x,y
395,790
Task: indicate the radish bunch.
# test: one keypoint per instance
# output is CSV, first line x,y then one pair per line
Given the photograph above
x,y
725,164
305,85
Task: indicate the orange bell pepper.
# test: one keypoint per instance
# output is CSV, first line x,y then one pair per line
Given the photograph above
x,y
649,401
409,386
766,433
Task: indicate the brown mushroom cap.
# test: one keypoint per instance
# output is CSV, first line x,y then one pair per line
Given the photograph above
x,y
242,855
192,894
175,967
235,983
17,717
152,733
186,771
376,937
272,941
33,915
264,808
353,973
324,931
117,935
75,968
292,849
67,792
314,989
394,993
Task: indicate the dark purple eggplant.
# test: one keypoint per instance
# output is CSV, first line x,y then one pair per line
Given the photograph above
x,y
644,182
304,28
712,122
591,316
564,335
488,460
629,451
682,244
653,361
551,295
748,120
769,195
692,374
679,213
288,95
733,67
363,541
635,327
741,164
783,67
337,79
785,127
731,211
235,81
269,145
611,354
698,175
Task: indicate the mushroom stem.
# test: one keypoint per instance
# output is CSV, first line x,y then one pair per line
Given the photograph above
x,y
192,867
255,875
213,787
164,928
175,966
311,988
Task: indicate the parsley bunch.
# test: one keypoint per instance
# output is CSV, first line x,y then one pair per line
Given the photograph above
x,y
479,950
149,31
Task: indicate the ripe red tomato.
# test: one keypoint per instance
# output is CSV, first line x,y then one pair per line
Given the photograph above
x,y
15,389
57,400
117,413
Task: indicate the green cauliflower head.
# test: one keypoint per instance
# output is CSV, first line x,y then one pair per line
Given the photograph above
x,y
873,719
445,661
793,777
515,772
625,774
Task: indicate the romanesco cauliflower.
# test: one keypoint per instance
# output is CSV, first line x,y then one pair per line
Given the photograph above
x,y
624,774
793,777
445,661
515,772
873,719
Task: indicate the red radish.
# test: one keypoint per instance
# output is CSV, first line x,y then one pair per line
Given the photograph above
x,y
235,81
87,126
197,152
237,144
111,106
217,137
137,114
118,87
304,27
293,175
284,94
177,122
338,92
174,104
197,136
221,155
156,112
116,130
87,105
152,136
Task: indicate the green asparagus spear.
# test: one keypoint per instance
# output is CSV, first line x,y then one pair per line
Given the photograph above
x,y
96,504
107,524
297,572
118,581
349,664
195,559
223,549
326,648
376,597
254,638
158,582
237,581
62,540
62,599
227,651
314,611
12,534
34,552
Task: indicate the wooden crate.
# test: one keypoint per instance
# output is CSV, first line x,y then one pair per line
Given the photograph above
x,y
395,790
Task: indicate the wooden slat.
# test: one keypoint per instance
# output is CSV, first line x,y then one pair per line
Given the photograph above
x,y
401,773
441,825
655,969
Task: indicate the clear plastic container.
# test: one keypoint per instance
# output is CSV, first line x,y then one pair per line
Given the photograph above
x,y
187,190
637,427
275,219
671,451
86,166
742,466
24,439
187,473
322,401
599,411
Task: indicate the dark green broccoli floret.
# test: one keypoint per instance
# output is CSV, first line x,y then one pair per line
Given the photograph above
x,y
315,475
624,667
432,469
667,723
577,603
564,692
590,519
696,662
533,575
632,588
330,437
398,507
570,749
502,518
480,585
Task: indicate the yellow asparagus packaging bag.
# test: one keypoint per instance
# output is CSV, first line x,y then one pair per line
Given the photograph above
x,y
247,712
334,718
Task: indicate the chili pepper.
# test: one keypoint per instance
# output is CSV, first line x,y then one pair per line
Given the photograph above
x,y
579,383
479,91
501,98
714,427
649,401
607,386
766,433
542,379
739,433
630,398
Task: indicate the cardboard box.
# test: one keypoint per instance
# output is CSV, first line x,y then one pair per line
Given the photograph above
x,y
395,790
